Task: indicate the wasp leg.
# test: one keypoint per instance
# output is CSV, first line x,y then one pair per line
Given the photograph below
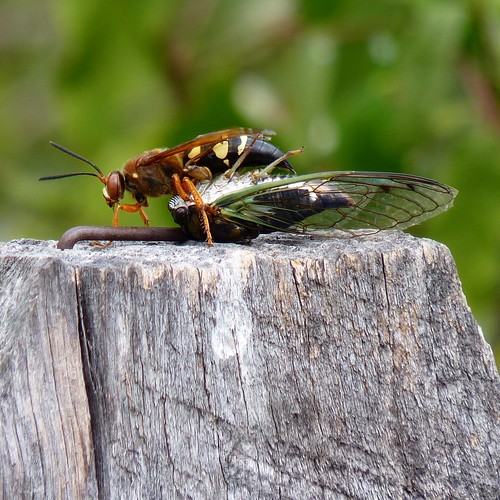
x,y
188,192
130,209
198,172
262,174
178,189
99,244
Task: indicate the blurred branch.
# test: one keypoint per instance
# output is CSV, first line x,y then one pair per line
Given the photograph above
x,y
482,91
479,64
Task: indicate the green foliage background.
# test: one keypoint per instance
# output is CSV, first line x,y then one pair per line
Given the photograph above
x,y
390,85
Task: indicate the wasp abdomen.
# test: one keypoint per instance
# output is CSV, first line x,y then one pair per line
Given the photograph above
x,y
224,154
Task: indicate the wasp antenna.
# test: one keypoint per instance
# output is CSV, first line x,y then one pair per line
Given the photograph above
x,y
62,176
77,156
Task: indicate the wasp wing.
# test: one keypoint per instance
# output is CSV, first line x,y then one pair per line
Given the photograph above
x,y
337,201
210,139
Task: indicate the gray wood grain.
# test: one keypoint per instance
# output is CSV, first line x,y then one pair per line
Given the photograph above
x,y
287,368
45,433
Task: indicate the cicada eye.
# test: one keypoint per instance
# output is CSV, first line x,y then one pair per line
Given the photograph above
x,y
115,187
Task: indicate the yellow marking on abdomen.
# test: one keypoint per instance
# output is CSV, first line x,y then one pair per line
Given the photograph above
x,y
194,152
243,144
221,149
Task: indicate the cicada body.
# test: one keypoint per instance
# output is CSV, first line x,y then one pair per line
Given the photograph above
x,y
327,203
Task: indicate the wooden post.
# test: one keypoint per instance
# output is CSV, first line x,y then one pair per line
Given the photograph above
x,y
291,367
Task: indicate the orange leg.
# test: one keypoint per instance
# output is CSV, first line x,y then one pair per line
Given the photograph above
x,y
186,189
178,189
130,209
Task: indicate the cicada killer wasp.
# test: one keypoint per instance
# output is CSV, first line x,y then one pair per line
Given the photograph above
x,y
333,203
177,170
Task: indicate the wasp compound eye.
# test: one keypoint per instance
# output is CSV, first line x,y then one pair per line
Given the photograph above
x,y
115,187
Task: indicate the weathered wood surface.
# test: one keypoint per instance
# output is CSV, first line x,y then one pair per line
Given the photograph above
x,y
288,368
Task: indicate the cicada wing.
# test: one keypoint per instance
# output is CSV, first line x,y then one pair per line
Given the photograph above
x,y
344,201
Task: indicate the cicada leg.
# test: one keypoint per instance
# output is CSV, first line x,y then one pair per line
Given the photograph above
x,y
262,174
237,164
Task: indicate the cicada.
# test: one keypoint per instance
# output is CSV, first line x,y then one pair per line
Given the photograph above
x,y
241,208
177,170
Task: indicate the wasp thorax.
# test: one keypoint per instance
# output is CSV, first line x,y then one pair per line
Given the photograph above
x,y
114,189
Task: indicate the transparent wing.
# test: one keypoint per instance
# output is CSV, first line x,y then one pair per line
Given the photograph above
x,y
337,201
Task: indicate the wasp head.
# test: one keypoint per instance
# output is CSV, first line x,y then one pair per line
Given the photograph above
x,y
114,187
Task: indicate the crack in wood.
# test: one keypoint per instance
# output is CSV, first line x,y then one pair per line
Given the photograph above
x,y
90,387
